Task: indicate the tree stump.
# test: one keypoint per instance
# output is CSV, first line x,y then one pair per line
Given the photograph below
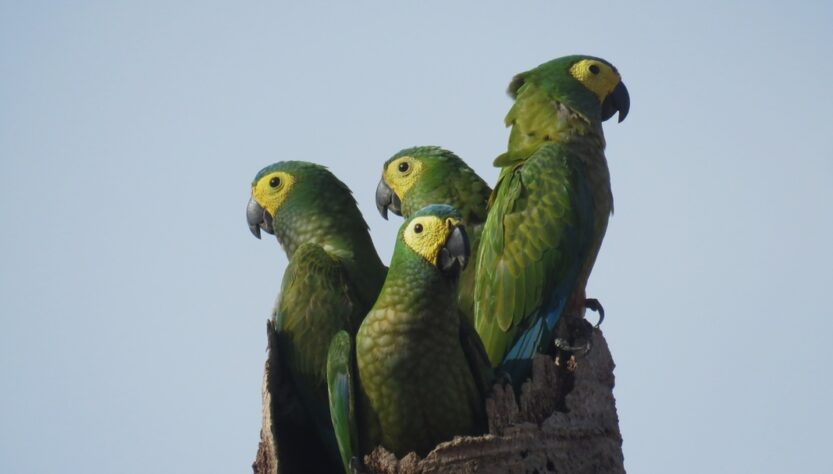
x,y
526,435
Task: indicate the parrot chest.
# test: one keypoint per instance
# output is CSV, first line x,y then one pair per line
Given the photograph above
x,y
587,175
416,378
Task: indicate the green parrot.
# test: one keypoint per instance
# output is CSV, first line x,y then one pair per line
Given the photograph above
x,y
333,277
419,176
550,208
422,373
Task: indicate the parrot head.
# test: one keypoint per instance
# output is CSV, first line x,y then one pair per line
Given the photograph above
x,y
418,176
436,234
402,172
270,189
293,187
589,85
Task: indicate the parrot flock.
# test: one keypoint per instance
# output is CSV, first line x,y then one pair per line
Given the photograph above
x,y
480,279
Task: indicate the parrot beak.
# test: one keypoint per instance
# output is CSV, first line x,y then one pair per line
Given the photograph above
x,y
455,253
387,199
258,218
617,101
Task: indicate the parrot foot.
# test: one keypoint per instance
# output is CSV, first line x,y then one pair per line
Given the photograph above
x,y
594,305
564,345
571,365
582,335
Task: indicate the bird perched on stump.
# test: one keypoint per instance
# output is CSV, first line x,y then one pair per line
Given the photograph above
x,y
549,210
333,277
422,372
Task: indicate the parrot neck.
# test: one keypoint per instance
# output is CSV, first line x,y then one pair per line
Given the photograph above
x,y
341,232
463,190
431,294
576,126
549,122
570,126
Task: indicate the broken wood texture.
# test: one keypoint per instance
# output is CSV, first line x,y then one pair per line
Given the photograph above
x,y
294,447
266,460
525,436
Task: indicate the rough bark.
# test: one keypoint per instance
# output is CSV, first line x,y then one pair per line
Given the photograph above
x,y
525,435
266,460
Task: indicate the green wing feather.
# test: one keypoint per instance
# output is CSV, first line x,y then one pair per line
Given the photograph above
x,y
340,386
317,301
533,245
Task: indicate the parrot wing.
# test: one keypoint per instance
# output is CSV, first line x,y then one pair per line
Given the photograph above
x,y
317,301
341,390
534,242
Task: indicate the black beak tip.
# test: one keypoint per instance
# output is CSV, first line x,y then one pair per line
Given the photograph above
x,y
622,116
617,101
383,210
255,230
456,252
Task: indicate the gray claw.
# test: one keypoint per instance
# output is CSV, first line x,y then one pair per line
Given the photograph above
x,y
564,345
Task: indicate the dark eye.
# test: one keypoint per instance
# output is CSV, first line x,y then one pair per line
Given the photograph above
x,y
594,69
403,167
275,182
418,228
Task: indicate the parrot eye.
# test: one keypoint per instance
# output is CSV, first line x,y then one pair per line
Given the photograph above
x,y
418,228
594,69
403,167
275,182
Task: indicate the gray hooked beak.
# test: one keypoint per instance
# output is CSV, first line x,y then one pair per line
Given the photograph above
x,y
455,253
617,101
258,218
387,199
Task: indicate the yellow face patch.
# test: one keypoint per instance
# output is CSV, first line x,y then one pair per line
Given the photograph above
x,y
401,174
426,235
597,76
271,190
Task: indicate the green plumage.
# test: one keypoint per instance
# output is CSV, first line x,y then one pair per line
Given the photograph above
x,y
341,380
333,277
422,369
549,211
545,97
447,179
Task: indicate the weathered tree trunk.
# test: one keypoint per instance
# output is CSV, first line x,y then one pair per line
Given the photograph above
x,y
525,436
266,461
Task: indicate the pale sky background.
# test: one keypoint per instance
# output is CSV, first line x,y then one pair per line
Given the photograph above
x,y
133,298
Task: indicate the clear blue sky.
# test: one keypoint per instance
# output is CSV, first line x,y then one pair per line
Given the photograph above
x,y
133,298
